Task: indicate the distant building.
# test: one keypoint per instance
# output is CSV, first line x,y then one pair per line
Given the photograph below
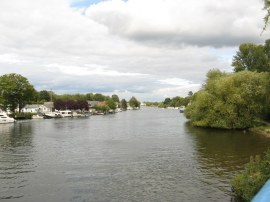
x,y
50,106
35,108
92,104
101,104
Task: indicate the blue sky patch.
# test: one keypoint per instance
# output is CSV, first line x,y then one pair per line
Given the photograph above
x,y
85,3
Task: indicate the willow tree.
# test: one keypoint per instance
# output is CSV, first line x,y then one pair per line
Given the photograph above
x,y
267,16
15,91
229,100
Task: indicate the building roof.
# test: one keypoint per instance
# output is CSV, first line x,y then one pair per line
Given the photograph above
x,y
33,106
92,103
49,105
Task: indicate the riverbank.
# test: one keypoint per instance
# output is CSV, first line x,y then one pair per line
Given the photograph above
x,y
261,130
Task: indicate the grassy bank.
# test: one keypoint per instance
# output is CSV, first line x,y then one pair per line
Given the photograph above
x,y
262,130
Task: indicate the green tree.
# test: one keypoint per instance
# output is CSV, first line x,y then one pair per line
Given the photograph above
x,y
267,9
15,91
230,101
124,104
115,98
251,57
167,102
176,101
98,97
134,103
44,95
89,96
111,104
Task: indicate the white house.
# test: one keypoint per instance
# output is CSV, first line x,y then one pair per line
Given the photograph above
x,y
35,108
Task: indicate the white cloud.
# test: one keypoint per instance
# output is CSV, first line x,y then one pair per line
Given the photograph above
x,y
178,22
148,48
89,70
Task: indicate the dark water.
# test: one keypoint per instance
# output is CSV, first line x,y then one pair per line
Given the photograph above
x,y
146,155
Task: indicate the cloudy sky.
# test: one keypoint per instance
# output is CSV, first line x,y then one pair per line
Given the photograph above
x,y
151,49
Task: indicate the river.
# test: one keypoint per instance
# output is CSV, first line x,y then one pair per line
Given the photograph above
x,y
143,155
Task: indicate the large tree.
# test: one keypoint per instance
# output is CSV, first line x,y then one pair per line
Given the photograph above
x,y
111,104
252,57
44,95
124,104
134,103
231,101
115,98
15,91
98,97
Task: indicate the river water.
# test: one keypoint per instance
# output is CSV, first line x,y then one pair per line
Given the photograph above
x,y
145,155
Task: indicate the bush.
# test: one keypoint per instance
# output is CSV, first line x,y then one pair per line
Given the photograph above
x,y
22,115
251,180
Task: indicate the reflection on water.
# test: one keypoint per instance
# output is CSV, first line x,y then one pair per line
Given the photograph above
x,y
146,155
16,161
222,153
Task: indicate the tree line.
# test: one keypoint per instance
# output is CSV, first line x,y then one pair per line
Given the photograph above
x,y
16,92
175,102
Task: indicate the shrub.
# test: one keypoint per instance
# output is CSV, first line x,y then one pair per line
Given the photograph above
x,y
251,180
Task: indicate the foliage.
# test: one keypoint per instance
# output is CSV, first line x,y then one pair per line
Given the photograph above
x,y
176,101
70,97
44,96
251,57
134,103
103,109
115,98
98,97
124,104
111,104
229,100
22,115
71,105
266,18
250,181
15,91
89,96
167,101
152,104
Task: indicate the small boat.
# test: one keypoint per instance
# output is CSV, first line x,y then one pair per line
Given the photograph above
x,y
38,116
99,113
4,118
50,115
182,109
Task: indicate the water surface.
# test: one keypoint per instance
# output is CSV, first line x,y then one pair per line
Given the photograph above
x,y
145,155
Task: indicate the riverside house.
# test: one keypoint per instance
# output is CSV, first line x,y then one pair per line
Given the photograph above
x,y
38,108
35,108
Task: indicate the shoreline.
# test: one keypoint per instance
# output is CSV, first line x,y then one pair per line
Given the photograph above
x,y
261,131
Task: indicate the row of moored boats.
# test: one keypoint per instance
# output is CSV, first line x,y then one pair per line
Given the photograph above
x,y
4,118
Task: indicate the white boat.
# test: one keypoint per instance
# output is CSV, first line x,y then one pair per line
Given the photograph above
x,y
182,109
50,115
37,116
4,118
65,113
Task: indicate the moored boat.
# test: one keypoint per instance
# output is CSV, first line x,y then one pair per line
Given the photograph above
x,y
4,118
51,115
65,113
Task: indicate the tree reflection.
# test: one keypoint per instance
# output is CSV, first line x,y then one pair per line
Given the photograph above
x,y
223,153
